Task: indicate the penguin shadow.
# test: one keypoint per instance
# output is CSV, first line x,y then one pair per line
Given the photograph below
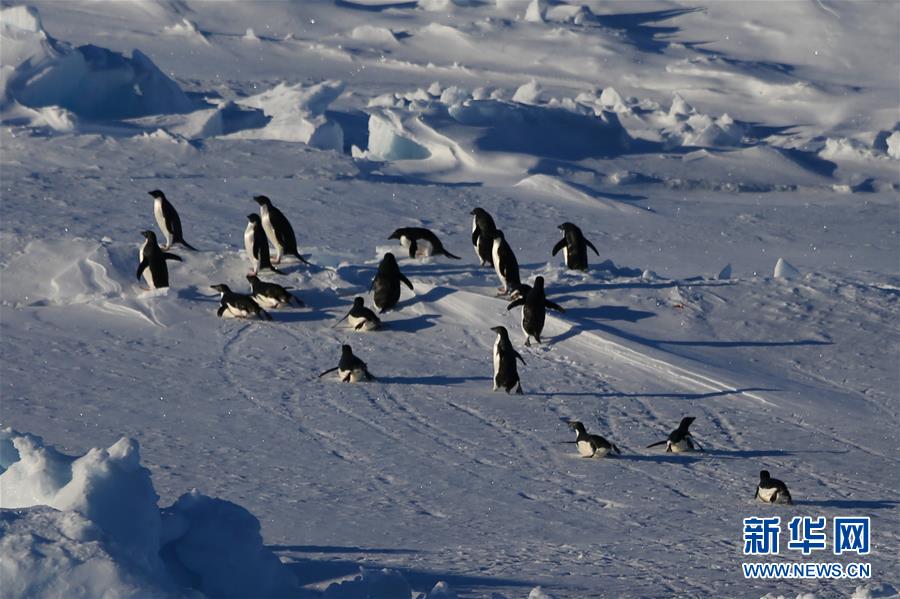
x,y
194,294
411,325
608,313
300,315
750,454
665,458
438,379
433,295
851,504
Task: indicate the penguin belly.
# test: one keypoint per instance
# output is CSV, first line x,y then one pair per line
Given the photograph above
x,y
270,232
585,448
566,255
682,446
356,375
267,302
148,272
496,362
424,248
495,256
367,325
232,311
766,494
161,221
248,247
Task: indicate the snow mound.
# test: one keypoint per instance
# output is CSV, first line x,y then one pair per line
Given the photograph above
x,y
88,81
297,113
110,534
785,270
186,28
552,187
374,35
225,119
371,584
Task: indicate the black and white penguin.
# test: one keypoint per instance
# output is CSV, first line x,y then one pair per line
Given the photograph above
x,y
386,284
360,317
278,229
272,295
256,244
237,305
591,446
168,220
574,247
505,264
483,228
153,262
417,238
534,309
506,375
680,440
350,369
772,490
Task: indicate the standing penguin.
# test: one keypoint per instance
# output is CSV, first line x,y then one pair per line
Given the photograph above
x,y
680,440
279,230
505,264
256,244
772,490
387,283
350,368
360,317
153,262
168,220
271,295
534,309
574,247
506,375
483,229
417,238
237,305
591,446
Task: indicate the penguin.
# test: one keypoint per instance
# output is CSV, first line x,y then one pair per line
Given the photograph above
x,y
506,376
271,295
772,490
574,247
416,238
350,369
360,317
680,440
483,228
534,308
152,257
387,284
278,229
591,446
168,220
238,305
505,264
256,244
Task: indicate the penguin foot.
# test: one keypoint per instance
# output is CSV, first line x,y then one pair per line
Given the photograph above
x,y
527,342
519,390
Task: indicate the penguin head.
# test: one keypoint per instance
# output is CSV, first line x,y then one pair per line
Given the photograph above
x,y
358,302
221,288
539,282
396,234
500,331
346,351
253,218
389,258
576,426
157,194
477,212
253,278
150,235
764,475
262,200
686,422
567,226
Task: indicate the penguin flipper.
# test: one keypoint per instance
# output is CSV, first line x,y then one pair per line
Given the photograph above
x,y
186,245
264,315
591,245
515,303
657,443
413,248
140,270
475,237
553,306
559,245
303,260
327,371
616,448
405,280
220,311
171,256
449,255
521,359
360,326
519,389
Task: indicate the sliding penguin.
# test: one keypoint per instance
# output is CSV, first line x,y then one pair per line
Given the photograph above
x,y
574,247
591,446
168,220
387,284
153,262
278,229
680,440
350,369
237,305
483,229
534,309
416,238
360,317
505,264
256,244
772,490
272,295
506,375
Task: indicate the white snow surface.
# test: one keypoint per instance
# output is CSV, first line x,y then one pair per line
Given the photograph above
x,y
679,137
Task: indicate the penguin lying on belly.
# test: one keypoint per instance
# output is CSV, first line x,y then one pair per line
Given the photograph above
x,y
680,440
350,369
421,241
238,305
591,446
